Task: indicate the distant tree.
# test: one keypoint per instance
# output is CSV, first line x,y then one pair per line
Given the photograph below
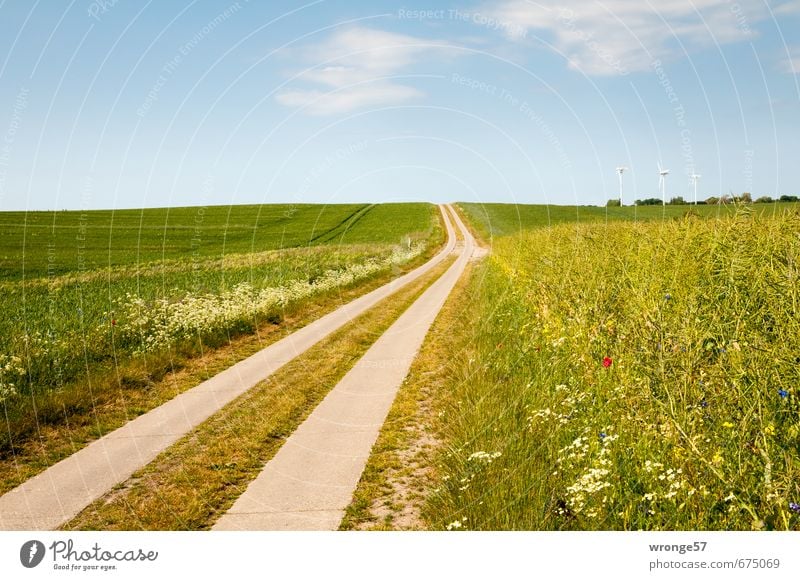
x,y
613,203
789,198
744,198
724,200
677,201
712,200
764,199
648,201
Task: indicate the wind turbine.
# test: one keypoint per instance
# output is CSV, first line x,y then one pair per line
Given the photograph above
x,y
695,177
662,183
620,170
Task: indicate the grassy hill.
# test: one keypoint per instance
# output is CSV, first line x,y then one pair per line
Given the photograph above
x,y
58,242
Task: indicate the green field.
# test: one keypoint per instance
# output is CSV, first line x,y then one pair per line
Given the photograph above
x,y
626,375
85,292
41,244
501,219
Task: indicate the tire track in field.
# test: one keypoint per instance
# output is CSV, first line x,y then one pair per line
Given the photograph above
x,y
331,231
349,226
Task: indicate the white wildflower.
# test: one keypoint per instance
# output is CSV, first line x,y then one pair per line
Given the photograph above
x,y
484,457
160,323
11,373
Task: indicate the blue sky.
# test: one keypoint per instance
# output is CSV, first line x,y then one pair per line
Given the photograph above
x,y
124,104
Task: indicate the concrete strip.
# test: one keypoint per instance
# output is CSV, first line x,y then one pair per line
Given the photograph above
x,y
310,481
59,493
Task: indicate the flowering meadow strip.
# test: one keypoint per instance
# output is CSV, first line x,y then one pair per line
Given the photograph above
x,y
172,267
66,326
158,324
60,326
630,376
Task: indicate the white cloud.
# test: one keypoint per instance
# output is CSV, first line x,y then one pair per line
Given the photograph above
x,y
617,36
790,7
791,65
355,70
348,99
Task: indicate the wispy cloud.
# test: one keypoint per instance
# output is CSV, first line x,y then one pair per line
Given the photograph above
x,y
355,69
790,7
613,37
348,99
791,64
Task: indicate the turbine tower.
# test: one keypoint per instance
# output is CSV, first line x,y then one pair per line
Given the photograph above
x,y
662,183
695,177
620,170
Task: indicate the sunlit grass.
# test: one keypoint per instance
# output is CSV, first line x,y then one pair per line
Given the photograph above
x,y
630,376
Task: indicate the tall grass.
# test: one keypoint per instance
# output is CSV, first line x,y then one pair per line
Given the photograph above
x,y
630,376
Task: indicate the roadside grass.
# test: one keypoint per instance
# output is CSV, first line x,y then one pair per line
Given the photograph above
x,y
110,394
196,480
399,473
629,375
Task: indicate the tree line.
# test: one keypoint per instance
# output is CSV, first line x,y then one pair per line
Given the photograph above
x,y
713,200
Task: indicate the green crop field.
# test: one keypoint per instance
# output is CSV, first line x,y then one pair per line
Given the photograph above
x,y
40,244
84,292
627,375
501,219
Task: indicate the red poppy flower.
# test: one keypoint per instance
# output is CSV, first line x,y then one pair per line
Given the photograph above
x,y
607,362
113,322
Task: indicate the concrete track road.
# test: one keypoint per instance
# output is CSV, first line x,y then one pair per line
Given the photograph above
x,y
311,480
